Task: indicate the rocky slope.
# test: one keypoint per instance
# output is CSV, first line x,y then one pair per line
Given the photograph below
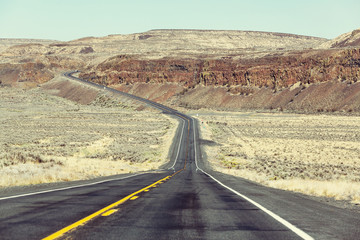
x,y
181,64
350,39
308,80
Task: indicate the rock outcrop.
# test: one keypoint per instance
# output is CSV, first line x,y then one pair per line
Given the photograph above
x,y
275,72
31,71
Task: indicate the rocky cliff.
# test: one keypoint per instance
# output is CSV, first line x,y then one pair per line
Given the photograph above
x,y
274,71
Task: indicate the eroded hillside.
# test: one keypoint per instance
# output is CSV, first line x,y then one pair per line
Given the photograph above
x,y
194,68
275,71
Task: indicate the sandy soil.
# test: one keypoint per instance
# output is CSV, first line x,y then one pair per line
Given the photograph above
x,y
314,154
46,138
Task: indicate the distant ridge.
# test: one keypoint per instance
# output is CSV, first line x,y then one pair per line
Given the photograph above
x,y
350,39
240,31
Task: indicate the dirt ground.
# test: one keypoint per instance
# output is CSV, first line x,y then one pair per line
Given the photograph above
x,y
317,155
45,138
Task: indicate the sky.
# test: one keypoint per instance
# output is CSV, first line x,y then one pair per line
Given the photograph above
x,y
71,19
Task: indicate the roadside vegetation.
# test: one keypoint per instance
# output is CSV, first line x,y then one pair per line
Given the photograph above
x,y
313,154
47,139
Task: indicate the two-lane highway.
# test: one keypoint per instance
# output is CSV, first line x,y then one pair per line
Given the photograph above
x,y
184,200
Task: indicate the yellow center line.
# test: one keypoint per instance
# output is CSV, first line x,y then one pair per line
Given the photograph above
x,y
99,212
106,211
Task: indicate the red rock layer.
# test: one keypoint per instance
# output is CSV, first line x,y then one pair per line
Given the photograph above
x,y
275,72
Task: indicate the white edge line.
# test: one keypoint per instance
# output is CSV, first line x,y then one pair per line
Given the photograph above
x,y
66,188
181,137
195,146
296,230
154,106
94,183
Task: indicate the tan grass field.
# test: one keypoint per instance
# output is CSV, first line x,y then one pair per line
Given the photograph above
x,y
48,139
313,154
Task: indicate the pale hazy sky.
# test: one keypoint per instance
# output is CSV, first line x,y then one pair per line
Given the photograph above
x,y
71,19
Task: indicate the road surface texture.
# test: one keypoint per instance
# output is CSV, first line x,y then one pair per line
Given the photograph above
x,y
183,200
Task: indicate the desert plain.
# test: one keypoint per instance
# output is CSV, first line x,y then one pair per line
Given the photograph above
x,y
46,138
313,154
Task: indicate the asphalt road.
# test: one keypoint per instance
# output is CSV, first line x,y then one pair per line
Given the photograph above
x,y
183,200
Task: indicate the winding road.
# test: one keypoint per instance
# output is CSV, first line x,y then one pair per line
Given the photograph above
x,y
183,200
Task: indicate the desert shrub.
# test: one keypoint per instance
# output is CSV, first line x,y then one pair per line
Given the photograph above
x,y
241,90
13,158
86,50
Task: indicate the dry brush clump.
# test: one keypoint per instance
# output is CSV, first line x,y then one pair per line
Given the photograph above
x,y
309,154
46,138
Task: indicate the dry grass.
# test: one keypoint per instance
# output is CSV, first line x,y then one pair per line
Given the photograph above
x,y
316,155
47,139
